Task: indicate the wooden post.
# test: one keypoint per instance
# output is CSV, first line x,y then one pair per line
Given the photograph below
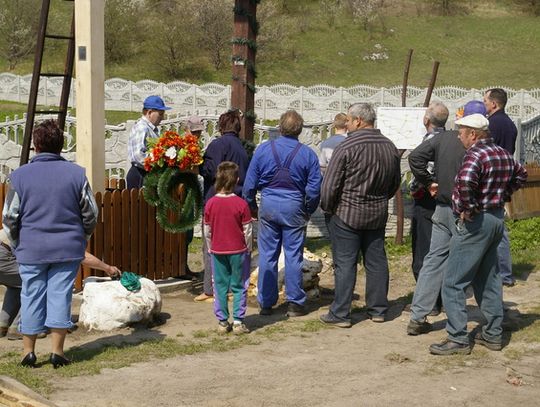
x,y
90,89
431,83
399,196
243,60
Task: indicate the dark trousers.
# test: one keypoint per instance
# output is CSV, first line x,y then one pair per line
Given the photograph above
x,y
347,244
135,177
421,236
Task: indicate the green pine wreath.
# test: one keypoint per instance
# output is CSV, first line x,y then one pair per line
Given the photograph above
x,y
160,191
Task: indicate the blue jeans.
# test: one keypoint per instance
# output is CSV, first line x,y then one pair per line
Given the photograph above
x,y
46,296
473,260
347,244
505,258
432,272
282,221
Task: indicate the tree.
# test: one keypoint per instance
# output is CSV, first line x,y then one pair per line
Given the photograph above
x,y
366,12
18,29
122,18
275,32
215,27
170,35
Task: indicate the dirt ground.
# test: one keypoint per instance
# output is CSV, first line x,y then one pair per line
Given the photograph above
x,y
368,365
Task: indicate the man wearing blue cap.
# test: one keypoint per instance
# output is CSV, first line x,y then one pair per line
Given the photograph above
x,y
147,126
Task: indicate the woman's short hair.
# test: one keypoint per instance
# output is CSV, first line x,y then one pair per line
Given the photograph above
x,y
48,137
291,123
226,177
229,122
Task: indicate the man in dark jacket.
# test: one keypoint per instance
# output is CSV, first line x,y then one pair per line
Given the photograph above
x,y
504,133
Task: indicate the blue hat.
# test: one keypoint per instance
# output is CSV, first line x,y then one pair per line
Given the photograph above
x,y
155,103
474,106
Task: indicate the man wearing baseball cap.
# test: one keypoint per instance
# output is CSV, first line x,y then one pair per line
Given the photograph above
x,y
147,126
486,180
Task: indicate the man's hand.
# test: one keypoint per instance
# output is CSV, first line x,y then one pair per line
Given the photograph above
x,y
433,189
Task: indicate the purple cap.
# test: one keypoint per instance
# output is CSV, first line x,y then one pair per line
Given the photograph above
x,y
474,106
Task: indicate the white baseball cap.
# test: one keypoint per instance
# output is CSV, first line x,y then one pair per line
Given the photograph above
x,y
474,121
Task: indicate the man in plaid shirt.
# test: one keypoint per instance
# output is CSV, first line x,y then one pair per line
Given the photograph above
x,y
488,177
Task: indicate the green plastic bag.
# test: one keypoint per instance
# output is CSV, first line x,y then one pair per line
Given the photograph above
x,y
130,281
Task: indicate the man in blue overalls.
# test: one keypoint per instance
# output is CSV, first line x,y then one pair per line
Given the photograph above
x,y
288,175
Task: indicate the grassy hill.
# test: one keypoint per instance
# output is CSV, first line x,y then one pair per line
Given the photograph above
x,y
484,43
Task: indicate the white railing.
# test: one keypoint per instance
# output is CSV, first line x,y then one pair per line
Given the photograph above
x,y
315,103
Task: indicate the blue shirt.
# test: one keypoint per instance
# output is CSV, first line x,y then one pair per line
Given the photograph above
x,y
304,171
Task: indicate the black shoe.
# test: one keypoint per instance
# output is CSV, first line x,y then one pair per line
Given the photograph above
x,y
435,312
510,283
331,320
448,347
480,340
418,328
295,310
29,360
266,311
58,361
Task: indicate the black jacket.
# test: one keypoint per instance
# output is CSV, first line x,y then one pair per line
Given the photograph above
x,y
446,151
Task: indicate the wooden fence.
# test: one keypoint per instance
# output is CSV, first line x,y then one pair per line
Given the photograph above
x,y
526,201
128,236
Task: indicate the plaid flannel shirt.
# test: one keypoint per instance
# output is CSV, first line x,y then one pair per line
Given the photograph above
x,y
137,140
486,180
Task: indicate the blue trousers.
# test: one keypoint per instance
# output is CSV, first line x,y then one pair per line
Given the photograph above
x,y
282,221
473,260
505,258
347,245
430,277
46,296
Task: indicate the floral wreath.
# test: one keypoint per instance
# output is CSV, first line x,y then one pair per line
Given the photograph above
x,y
170,162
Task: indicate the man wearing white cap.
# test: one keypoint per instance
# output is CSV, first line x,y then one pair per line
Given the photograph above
x,y
488,177
147,126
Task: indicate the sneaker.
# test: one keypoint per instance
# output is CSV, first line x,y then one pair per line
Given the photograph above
x,y
333,321
224,327
266,311
418,328
14,335
377,318
239,328
480,340
448,347
203,298
296,310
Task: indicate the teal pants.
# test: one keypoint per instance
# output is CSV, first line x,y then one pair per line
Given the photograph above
x,y
230,272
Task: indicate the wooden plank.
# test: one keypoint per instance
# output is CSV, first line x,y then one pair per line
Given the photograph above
x,y
98,238
160,256
167,255
143,223
107,230
175,258
134,231
126,240
117,246
151,243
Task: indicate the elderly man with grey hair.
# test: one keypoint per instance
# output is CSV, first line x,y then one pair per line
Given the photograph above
x,y
363,174
423,203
